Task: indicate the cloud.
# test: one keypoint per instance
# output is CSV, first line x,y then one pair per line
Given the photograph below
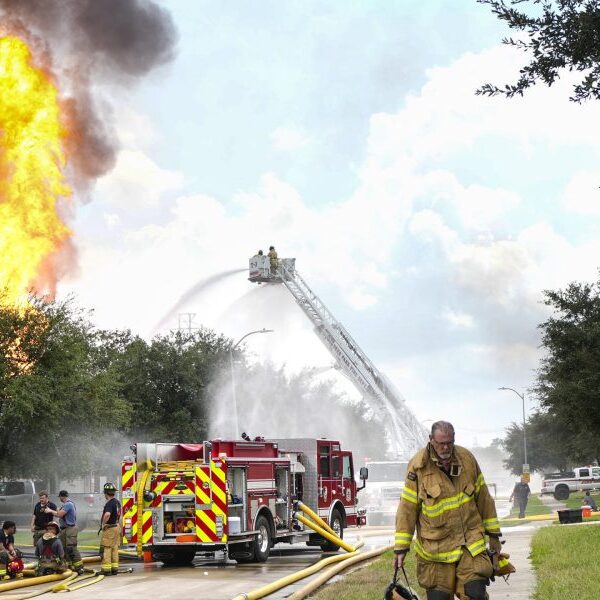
x,y
452,233
136,181
286,139
459,320
582,193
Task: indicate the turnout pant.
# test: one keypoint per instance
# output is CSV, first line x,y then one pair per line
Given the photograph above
x,y
110,542
68,537
450,578
47,566
4,559
37,534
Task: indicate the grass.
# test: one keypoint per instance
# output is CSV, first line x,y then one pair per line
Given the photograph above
x,y
565,562
574,500
88,537
371,581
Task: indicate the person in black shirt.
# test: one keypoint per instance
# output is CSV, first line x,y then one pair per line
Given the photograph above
x,y
110,525
8,552
521,495
40,518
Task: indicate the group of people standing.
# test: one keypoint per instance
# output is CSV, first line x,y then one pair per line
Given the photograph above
x,y
55,542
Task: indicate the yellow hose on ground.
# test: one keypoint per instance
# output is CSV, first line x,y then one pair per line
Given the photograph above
x,y
92,577
332,538
322,579
140,508
315,517
39,592
123,552
21,583
289,579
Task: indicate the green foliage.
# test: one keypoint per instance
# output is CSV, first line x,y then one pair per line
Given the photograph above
x,y
564,431
167,382
53,396
547,444
73,398
559,35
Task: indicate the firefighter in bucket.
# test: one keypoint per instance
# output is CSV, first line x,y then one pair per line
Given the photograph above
x,y
50,552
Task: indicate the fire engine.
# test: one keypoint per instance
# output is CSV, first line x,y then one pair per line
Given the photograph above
x,y
236,496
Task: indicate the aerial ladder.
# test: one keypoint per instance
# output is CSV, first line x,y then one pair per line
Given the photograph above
x,y
405,432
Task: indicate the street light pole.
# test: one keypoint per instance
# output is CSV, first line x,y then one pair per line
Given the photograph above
x,y
233,394
522,396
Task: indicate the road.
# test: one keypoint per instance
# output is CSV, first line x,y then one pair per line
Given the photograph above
x,y
210,580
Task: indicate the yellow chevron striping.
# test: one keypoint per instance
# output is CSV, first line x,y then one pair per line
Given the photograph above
x,y
220,473
207,520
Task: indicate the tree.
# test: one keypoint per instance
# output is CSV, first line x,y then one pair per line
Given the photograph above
x,y
560,35
167,384
55,399
547,447
568,380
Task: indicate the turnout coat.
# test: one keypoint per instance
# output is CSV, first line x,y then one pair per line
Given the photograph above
x,y
451,513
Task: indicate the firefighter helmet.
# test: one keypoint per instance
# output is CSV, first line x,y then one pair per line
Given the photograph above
x,y
109,488
55,525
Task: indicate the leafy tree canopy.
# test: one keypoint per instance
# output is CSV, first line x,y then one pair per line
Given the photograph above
x,y
558,35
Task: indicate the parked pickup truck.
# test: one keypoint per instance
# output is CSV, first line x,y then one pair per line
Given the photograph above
x,y
18,497
560,485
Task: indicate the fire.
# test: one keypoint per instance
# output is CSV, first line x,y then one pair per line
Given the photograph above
x,y
32,182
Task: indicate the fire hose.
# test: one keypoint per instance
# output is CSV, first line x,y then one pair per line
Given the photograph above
x,y
289,579
316,583
69,581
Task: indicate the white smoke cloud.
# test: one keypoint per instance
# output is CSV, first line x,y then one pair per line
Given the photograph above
x,y
438,222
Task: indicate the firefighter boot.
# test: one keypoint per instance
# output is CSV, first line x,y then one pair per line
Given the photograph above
x,y
475,589
438,595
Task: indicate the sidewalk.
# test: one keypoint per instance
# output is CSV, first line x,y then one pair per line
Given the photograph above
x,y
521,584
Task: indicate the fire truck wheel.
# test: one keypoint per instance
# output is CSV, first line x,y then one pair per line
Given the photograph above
x,y
561,492
337,524
175,557
262,542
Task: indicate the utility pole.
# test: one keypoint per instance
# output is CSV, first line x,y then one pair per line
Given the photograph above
x,y
522,396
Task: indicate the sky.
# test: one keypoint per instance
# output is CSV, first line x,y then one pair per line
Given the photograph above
x,y
348,134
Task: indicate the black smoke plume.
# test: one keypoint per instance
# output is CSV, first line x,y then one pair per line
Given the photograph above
x,y
94,48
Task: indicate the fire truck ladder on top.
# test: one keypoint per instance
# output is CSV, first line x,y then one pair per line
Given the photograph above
x,y
406,433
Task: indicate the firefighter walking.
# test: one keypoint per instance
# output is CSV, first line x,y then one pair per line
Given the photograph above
x,y
445,498
110,526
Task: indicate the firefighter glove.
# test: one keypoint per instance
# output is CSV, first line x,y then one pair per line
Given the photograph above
x,y
495,544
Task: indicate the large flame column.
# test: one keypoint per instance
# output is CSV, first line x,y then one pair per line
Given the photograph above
x,y
32,182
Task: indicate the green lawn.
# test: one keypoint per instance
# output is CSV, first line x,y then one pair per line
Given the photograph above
x,y
565,562
88,537
370,581
575,499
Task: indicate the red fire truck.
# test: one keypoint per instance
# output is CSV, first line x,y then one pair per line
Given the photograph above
x,y
234,496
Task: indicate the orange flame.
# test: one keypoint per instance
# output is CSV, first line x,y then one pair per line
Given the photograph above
x,y
31,179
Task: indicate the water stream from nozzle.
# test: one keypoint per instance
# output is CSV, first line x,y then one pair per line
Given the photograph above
x,y
191,293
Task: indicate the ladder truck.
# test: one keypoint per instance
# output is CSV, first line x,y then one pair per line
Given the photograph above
x,y
405,433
